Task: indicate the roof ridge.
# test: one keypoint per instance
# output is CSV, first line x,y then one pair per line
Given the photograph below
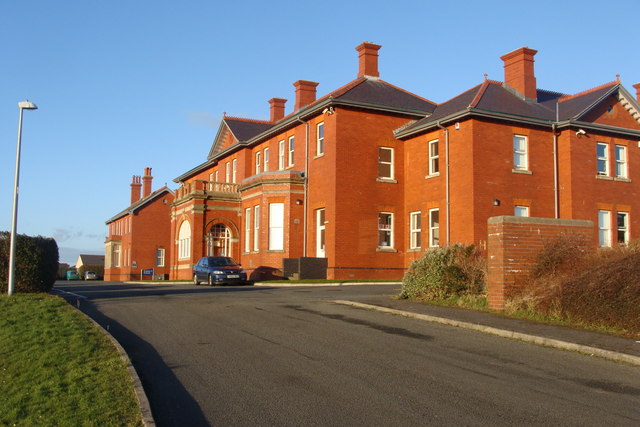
x,y
481,90
585,92
243,119
458,95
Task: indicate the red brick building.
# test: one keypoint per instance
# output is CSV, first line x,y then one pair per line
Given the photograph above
x,y
138,237
370,176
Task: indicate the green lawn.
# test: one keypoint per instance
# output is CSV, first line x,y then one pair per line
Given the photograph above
x,y
57,368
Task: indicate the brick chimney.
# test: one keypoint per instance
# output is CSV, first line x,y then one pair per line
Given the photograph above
x,y
368,59
146,182
518,71
135,189
637,87
277,109
305,93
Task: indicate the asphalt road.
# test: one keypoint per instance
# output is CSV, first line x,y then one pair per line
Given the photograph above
x,y
254,356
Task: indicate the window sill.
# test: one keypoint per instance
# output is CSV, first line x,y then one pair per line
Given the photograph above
x,y
275,251
622,179
317,156
433,175
604,177
386,249
387,180
522,171
414,250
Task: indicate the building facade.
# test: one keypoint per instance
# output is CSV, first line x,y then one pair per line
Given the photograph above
x,y
138,237
371,176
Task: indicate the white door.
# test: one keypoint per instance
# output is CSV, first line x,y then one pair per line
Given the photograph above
x,y
320,227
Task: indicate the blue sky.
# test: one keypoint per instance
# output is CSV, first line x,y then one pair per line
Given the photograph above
x,y
124,85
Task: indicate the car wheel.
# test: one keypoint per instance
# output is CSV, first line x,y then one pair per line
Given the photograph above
x,y
195,280
210,280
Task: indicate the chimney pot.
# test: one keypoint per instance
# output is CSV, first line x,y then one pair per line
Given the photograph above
x,y
519,73
277,109
368,59
135,188
146,182
637,87
305,93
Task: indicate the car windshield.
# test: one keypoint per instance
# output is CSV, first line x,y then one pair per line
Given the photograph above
x,y
221,261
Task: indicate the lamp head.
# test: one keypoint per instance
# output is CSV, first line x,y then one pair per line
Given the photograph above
x,y
27,105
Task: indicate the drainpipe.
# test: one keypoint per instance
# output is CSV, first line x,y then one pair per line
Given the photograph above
x,y
556,190
446,160
306,186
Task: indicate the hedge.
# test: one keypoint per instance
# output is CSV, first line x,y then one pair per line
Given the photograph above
x,y
36,263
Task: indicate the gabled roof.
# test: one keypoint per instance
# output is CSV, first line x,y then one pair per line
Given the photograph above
x,y
85,259
496,100
363,92
140,204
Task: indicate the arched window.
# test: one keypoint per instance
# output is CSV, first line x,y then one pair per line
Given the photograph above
x,y
184,241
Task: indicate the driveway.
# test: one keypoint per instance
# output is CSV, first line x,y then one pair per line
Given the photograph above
x,y
252,356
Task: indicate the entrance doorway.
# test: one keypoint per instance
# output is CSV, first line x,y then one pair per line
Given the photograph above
x,y
219,241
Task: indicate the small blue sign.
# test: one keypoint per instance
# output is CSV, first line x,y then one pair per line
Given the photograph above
x,y
147,272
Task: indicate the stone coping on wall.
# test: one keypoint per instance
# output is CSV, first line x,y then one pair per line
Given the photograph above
x,y
544,221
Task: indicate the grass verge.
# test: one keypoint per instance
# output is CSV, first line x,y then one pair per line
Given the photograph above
x,y
57,368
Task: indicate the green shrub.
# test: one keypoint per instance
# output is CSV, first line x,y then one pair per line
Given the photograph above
x,y
98,269
36,263
445,272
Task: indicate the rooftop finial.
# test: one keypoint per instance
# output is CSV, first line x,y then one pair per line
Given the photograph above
x,y
486,76
618,77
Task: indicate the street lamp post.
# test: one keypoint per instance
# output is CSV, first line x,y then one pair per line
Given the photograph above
x,y
24,105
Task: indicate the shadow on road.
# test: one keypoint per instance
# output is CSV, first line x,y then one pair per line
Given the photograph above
x,y
105,290
170,402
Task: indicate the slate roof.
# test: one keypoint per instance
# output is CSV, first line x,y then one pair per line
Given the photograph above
x,y
493,98
90,259
244,129
140,203
363,92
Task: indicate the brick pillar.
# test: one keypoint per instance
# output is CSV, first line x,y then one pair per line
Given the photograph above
x,y
146,182
368,59
518,71
305,93
277,109
513,244
637,87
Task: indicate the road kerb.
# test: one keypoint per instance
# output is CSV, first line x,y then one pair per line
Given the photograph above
x,y
548,342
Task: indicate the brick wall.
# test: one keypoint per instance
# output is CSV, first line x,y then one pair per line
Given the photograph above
x,y
513,245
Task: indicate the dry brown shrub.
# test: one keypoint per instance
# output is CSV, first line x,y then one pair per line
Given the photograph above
x,y
599,288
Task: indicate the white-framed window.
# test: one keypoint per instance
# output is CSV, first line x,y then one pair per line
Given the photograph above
x,y
216,176
320,139
258,165
385,230
276,226
621,161
184,240
281,155
434,228
320,233
602,156
623,228
521,210
247,229
256,228
604,228
227,172
160,257
415,230
115,256
434,157
234,171
520,155
385,163
292,146
266,159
